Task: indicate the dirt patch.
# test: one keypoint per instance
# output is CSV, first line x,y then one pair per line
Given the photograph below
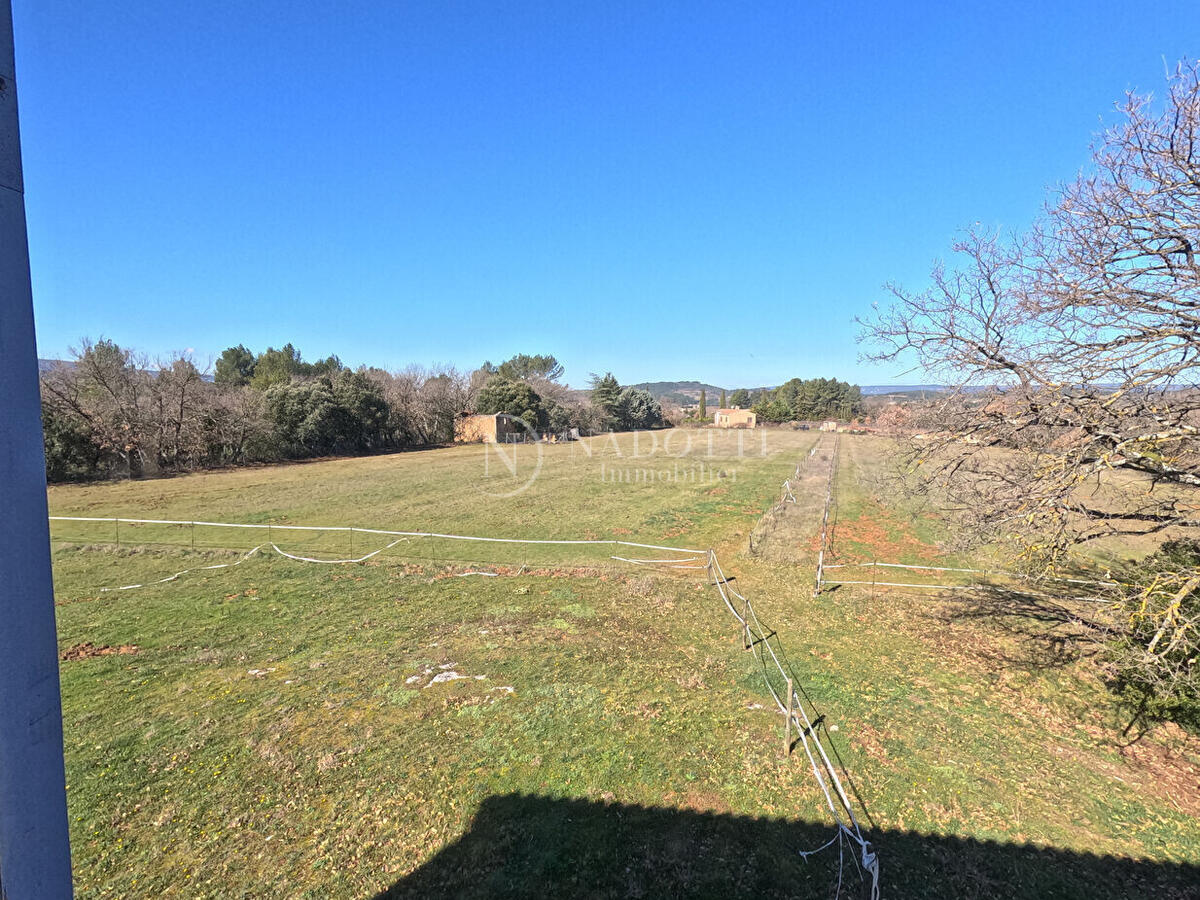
x,y
1165,764
87,650
697,801
1174,776
1148,767
71,600
485,570
877,534
870,741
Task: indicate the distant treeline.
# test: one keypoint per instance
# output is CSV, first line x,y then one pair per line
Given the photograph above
x,y
112,412
807,399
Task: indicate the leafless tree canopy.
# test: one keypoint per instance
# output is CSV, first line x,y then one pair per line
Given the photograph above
x,y
1074,352
1078,343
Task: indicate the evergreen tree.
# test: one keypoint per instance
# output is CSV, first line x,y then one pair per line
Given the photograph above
x,y
522,367
723,404
515,398
606,394
236,366
276,367
814,398
702,413
637,408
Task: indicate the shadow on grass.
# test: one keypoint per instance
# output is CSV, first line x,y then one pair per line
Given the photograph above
x,y
1052,627
530,846
1055,625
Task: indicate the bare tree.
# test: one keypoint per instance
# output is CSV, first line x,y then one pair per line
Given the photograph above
x,y
237,427
672,412
178,411
444,395
423,403
1073,352
106,388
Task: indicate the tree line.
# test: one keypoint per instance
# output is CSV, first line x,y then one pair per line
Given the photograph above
x,y
112,412
801,399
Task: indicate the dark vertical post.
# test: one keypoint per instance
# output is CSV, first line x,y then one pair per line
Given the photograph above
x,y
35,852
787,722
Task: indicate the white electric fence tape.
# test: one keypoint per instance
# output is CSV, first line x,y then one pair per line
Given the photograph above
x,y
824,771
758,638
788,495
1016,576
831,483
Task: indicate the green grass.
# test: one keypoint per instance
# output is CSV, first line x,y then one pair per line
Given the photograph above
x,y
266,739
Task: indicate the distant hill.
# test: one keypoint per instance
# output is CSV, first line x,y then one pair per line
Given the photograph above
x,y
681,392
907,390
688,392
45,365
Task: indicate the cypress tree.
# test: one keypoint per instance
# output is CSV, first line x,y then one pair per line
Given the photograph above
x,y
703,411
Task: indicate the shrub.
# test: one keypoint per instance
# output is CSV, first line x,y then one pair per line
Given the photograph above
x,y
1155,649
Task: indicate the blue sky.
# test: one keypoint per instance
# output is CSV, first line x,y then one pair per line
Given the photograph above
x,y
667,190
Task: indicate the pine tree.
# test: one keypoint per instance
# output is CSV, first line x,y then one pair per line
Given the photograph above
x,y
606,394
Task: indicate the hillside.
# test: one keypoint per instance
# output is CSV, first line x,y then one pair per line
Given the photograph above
x,y
685,392
682,392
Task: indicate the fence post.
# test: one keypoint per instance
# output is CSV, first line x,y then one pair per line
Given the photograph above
x,y
193,535
787,724
874,576
117,524
820,566
352,542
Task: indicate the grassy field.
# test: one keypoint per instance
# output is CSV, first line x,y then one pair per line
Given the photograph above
x,y
280,728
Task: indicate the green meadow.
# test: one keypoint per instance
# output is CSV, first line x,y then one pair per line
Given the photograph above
x,y
453,718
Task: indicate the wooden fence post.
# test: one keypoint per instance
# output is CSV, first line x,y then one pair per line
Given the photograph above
x,y
787,724
820,566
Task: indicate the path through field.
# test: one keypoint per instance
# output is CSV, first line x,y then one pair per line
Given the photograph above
x,y
787,533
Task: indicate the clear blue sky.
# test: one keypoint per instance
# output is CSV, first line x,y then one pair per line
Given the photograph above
x,y
672,190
